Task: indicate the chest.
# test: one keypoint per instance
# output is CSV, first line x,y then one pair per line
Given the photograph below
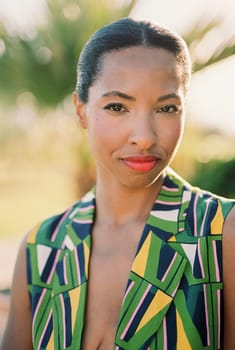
x,y
174,289
110,263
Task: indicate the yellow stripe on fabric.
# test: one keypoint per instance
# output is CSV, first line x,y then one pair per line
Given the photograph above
x,y
50,345
182,340
140,262
172,239
217,222
31,239
87,255
158,303
74,295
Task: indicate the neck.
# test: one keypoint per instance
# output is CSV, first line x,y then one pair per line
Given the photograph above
x,y
118,205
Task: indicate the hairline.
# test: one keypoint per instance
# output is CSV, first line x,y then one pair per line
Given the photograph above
x,y
100,60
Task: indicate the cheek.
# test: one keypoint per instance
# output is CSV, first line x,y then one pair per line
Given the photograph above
x,y
171,133
102,134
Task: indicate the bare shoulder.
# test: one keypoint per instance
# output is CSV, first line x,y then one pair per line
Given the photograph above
x,y
229,246
229,238
18,334
229,224
229,280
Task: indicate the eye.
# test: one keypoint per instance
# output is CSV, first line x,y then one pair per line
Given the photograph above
x,y
116,107
169,109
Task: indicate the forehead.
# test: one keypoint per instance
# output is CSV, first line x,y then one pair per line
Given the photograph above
x,y
137,55
138,65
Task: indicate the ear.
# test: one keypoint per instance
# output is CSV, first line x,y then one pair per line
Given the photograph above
x,y
80,110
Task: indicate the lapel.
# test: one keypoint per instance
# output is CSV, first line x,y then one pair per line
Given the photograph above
x,y
70,281
155,274
156,271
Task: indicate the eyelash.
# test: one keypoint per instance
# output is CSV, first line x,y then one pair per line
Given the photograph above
x,y
115,107
119,108
171,108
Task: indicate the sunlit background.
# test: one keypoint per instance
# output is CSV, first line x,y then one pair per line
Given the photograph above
x,y
44,159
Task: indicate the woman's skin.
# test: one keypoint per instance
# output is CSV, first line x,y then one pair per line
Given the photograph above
x,y
135,120
135,108
18,334
229,281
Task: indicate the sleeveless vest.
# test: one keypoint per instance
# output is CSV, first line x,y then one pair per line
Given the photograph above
x,y
173,297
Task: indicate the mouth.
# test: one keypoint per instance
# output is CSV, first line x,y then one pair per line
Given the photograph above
x,y
141,163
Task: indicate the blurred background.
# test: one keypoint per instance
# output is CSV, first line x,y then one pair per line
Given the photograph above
x,y
44,158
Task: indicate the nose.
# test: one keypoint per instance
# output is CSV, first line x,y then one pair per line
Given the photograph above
x,y
143,133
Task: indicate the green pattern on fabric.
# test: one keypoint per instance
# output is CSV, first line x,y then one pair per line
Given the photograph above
x,y
173,298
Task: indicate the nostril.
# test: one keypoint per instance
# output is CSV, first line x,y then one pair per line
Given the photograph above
x,y
142,141
144,137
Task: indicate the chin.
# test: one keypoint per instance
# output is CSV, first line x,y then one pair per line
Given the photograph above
x,y
141,182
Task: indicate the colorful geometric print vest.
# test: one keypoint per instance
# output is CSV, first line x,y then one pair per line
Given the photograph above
x,y
173,298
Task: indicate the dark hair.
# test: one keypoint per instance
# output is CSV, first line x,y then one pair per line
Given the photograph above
x,y
126,33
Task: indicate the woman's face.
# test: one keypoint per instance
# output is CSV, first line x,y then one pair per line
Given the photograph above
x,y
134,115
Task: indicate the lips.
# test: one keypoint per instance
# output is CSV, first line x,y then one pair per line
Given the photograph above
x,y
141,163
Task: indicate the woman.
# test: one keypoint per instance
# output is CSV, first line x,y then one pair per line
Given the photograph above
x,y
137,263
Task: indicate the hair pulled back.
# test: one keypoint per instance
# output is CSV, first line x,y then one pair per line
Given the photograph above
x,y
125,33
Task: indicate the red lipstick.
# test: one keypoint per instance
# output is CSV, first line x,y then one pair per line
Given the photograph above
x,y
141,163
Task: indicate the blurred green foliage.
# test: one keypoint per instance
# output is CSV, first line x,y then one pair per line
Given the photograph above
x,y
200,32
44,61
216,176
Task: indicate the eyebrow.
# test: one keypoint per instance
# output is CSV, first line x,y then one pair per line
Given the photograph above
x,y
119,94
132,98
169,96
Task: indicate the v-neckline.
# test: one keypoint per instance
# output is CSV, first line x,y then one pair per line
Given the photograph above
x,y
166,201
